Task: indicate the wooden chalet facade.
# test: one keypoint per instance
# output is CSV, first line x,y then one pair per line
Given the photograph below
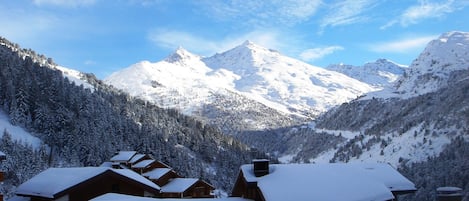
x,y
147,165
81,184
127,173
162,175
263,182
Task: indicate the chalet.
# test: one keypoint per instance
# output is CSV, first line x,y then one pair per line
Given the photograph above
x,y
133,160
186,188
80,184
139,157
121,197
172,184
261,181
147,165
161,176
123,158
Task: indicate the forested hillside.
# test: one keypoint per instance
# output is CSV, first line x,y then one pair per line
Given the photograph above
x,y
86,126
430,123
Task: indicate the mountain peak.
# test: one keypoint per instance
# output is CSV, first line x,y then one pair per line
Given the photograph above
x,y
455,36
253,46
247,43
442,56
181,55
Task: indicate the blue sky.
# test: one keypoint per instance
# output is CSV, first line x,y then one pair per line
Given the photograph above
x,y
103,36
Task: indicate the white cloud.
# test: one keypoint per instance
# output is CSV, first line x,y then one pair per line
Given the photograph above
x,y
261,12
317,53
405,45
65,3
90,62
171,39
25,26
425,10
345,13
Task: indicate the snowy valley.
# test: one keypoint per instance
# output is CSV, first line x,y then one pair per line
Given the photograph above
x,y
208,115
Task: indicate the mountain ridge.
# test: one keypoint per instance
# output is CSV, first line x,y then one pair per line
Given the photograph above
x,y
260,74
411,124
381,73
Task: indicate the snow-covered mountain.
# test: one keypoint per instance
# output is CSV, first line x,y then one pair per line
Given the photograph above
x,y
380,73
258,76
428,111
431,70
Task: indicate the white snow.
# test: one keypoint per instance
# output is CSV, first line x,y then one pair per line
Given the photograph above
x,y
75,77
136,158
187,82
55,180
178,185
17,133
143,164
413,145
387,174
286,158
328,182
429,72
343,133
123,156
156,173
121,197
380,73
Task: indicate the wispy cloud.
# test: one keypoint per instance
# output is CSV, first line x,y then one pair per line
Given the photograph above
x,y
317,53
425,10
146,2
405,45
260,12
65,3
346,13
26,26
171,39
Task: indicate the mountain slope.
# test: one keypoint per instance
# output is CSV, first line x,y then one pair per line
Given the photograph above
x,y
380,73
84,127
275,90
183,82
269,76
430,71
434,108
426,116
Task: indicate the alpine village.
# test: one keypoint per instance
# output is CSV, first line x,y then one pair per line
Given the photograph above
x,y
68,136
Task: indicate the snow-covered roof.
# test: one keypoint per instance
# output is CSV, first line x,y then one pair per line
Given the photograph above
x,y
328,182
136,177
19,198
388,175
106,164
178,185
56,180
136,158
121,197
143,164
156,173
123,156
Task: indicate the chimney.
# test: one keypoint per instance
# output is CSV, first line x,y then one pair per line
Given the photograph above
x,y
449,194
261,167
